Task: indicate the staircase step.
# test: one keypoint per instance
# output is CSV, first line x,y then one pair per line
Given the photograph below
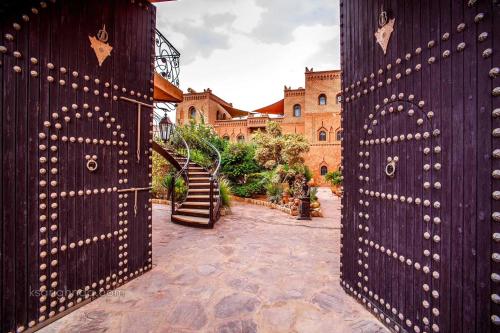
x,y
198,198
195,205
196,168
193,212
190,220
199,190
198,173
199,180
199,185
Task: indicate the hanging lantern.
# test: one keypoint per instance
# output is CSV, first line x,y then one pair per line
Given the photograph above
x,y
166,128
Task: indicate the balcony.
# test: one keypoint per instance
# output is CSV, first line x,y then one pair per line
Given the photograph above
x,y
166,76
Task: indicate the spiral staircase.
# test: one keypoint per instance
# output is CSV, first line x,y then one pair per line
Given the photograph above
x,y
200,207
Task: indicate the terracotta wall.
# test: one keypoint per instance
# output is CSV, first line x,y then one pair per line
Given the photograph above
x,y
314,117
233,129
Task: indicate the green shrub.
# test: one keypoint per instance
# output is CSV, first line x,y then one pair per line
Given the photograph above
x,y
274,192
160,169
249,190
225,192
307,173
180,186
238,161
313,194
334,178
195,134
201,158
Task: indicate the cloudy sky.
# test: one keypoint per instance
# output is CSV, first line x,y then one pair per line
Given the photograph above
x,y
247,50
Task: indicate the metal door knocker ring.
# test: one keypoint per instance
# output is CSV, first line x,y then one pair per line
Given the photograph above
x,y
390,168
91,162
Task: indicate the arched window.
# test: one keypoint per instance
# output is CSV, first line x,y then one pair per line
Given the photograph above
x,y
339,98
226,137
297,110
324,170
240,138
322,99
322,136
192,113
338,135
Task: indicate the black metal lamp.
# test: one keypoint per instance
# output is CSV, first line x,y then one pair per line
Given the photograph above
x,y
166,128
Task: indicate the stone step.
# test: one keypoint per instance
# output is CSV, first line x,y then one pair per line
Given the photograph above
x,y
191,220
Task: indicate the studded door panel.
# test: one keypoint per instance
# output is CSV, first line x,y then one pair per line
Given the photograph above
x,y
419,227
75,201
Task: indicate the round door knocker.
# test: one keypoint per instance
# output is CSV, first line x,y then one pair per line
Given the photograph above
x,y
390,168
91,162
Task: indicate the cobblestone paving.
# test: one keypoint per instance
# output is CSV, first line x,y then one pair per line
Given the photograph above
x,y
258,270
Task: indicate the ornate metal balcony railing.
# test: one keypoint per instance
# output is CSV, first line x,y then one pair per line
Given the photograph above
x,y
166,59
167,64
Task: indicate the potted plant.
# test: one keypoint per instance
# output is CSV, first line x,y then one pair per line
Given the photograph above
x,y
286,196
335,180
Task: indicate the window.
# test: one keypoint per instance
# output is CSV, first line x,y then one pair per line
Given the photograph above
x,y
339,98
324,170
297,110
322,136
226,137
322,99
338,135
241,138
192,112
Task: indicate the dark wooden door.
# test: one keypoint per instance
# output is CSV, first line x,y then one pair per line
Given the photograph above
x,y
75,147
419,216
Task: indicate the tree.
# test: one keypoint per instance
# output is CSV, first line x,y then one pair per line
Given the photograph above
x,y
275,148
238,161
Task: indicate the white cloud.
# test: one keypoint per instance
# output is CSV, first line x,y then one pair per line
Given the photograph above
x,y
235,48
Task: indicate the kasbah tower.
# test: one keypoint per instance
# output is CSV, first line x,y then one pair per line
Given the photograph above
x,y
313,111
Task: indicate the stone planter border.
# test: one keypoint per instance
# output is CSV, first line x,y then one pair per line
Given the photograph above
x,y
263,203
161,201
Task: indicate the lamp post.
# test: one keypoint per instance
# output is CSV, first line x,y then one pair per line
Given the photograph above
x,y
166,128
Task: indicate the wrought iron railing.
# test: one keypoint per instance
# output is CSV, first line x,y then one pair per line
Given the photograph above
x,y
178,146
176,151
167,64
167,59
215,197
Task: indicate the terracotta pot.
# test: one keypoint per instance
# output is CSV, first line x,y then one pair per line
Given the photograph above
x,y
285,198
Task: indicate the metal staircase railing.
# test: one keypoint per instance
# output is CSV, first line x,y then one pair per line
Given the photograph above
x,y
176,144
215,197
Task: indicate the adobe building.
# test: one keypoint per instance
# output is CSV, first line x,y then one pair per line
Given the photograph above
x,y
313,111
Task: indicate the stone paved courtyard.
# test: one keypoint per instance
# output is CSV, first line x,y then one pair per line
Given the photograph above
x,y
258,270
